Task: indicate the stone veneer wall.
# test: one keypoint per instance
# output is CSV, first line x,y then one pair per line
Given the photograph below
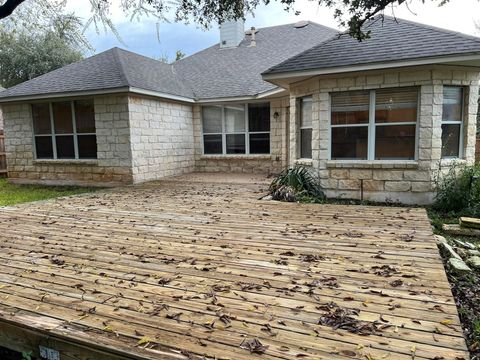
x,y
162,138
398,181
113,165
267,164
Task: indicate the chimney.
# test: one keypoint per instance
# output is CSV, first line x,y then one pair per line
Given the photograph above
x,y
231,33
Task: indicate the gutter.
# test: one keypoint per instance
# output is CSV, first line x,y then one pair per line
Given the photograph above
x,y
126,89
260,96
63,95
136,90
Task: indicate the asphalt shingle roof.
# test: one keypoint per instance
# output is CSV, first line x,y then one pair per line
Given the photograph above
x,y
231,72
236,72
391,40
112,69
210,73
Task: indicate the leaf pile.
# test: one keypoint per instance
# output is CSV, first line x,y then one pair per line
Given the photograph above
x,y
254,346
385,270
311,258
343,318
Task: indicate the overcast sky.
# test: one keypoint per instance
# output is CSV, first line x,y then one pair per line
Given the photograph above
x,y
141,37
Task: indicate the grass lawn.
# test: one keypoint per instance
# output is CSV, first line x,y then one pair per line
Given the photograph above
x,y
11,194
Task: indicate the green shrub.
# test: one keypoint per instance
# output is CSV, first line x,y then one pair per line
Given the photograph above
x,y
296,184
457,193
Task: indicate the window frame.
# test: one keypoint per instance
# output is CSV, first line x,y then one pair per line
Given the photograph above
x,y
455,122
53,135
246,132
372,127
300,101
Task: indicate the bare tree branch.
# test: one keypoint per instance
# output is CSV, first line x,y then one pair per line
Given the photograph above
x,y
8,7
351,14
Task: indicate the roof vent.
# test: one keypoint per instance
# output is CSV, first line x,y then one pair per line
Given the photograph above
x,y
231,33
252,33
300,24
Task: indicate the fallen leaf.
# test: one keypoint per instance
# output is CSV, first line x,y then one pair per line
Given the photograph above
x,y
254,346
144,340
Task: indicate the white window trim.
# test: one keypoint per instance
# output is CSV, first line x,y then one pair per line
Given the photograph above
x,y
54,135
457,122
246,133
372,126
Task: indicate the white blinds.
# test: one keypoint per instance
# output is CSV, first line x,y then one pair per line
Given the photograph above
x,y
350,101
387,99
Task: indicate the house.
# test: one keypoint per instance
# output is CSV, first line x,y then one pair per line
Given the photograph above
x,y
378,118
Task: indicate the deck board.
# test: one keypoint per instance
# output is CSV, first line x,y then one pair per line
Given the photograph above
x,y
195,266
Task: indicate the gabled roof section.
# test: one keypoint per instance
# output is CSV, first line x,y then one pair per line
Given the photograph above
x,y
235,72
149,74
110,70
392,40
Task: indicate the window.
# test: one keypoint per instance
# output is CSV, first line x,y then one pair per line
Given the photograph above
x,y
374,125
212,129
259,128
64,130
236,129
452,124
305,108
395,123
350,122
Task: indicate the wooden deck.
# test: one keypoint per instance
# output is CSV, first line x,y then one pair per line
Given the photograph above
x,y
189,268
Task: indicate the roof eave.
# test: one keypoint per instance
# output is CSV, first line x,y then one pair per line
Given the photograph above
x,y
63,94
260,96
163,95
140,91
68,94
284,78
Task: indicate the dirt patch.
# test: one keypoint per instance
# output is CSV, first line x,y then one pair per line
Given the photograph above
x,y
466,290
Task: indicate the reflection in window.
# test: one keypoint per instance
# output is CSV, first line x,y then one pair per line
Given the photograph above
x,y
236,129
452,122
305,106
374,125
350,116
395,123
64,130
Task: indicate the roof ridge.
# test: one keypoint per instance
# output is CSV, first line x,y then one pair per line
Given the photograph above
x,y
293,23
434,28
258,29
323,26
119,62
183,80
119,50
333,37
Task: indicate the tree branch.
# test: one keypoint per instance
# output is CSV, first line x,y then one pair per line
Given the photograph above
x,y
8,8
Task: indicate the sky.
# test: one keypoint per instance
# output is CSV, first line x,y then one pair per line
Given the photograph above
x,y
155,38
